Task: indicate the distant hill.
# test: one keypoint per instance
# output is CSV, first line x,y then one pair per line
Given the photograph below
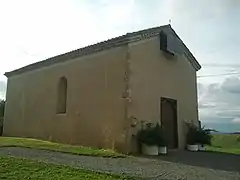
x,y
236,133
217,132
223,128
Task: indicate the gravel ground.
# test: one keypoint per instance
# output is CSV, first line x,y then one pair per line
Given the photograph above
x,y
135,166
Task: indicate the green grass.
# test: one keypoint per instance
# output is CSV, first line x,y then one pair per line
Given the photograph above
x,y
228,143
21,169
46,145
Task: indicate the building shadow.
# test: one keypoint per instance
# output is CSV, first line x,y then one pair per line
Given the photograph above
x,y
213,160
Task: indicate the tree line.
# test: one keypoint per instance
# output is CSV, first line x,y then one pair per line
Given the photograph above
x,y
2,107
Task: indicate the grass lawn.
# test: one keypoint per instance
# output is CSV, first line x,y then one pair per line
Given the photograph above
x,y
46,145
224,150
21,169
228,143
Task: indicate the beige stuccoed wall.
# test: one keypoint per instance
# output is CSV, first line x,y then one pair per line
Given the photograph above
x,y
154,75
95,110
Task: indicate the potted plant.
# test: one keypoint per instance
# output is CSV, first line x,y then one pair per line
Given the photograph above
x,y
162,147
192,138
204,137
147,139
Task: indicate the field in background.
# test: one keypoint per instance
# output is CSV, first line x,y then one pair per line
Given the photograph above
x,y
229,143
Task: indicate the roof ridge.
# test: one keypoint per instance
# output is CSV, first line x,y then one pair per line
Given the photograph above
x,y
148,30
97,47
112,42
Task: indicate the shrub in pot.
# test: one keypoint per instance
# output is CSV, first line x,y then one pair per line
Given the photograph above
x,y
148,141
204,137
192,138
162,146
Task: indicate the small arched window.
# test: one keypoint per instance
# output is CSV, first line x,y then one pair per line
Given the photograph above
x,y
62,96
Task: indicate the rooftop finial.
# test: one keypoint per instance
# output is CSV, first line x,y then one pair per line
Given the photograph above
x,y
170,21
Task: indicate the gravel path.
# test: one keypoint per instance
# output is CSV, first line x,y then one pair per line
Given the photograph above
x,y
141,167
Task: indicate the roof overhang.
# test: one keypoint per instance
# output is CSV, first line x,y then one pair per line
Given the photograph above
x,y
114,42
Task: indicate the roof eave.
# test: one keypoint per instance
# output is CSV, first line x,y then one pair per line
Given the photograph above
x,y
195,64
87,50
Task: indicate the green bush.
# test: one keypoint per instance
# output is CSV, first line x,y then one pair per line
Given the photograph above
x,y
159,135
2,107
152,135
204,136
1,130
192,134
147,136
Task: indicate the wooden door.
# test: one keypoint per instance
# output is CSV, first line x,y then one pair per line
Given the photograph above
x,y
169,121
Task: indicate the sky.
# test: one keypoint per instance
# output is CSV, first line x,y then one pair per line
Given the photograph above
x,y
32,30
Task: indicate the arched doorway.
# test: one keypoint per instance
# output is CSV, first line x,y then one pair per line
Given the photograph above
x,y
169,121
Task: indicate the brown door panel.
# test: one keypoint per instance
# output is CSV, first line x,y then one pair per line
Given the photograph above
x,y
169,121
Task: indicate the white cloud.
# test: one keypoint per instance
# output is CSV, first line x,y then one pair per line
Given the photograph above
x,y
202,9
34,30
3,87
236,120
232,85
219,102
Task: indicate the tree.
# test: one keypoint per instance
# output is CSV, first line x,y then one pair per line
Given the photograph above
x,y
2,107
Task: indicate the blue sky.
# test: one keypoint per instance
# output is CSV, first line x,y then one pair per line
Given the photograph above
x,y
34,30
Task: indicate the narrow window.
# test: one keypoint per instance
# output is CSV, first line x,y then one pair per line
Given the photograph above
x,y
62,96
